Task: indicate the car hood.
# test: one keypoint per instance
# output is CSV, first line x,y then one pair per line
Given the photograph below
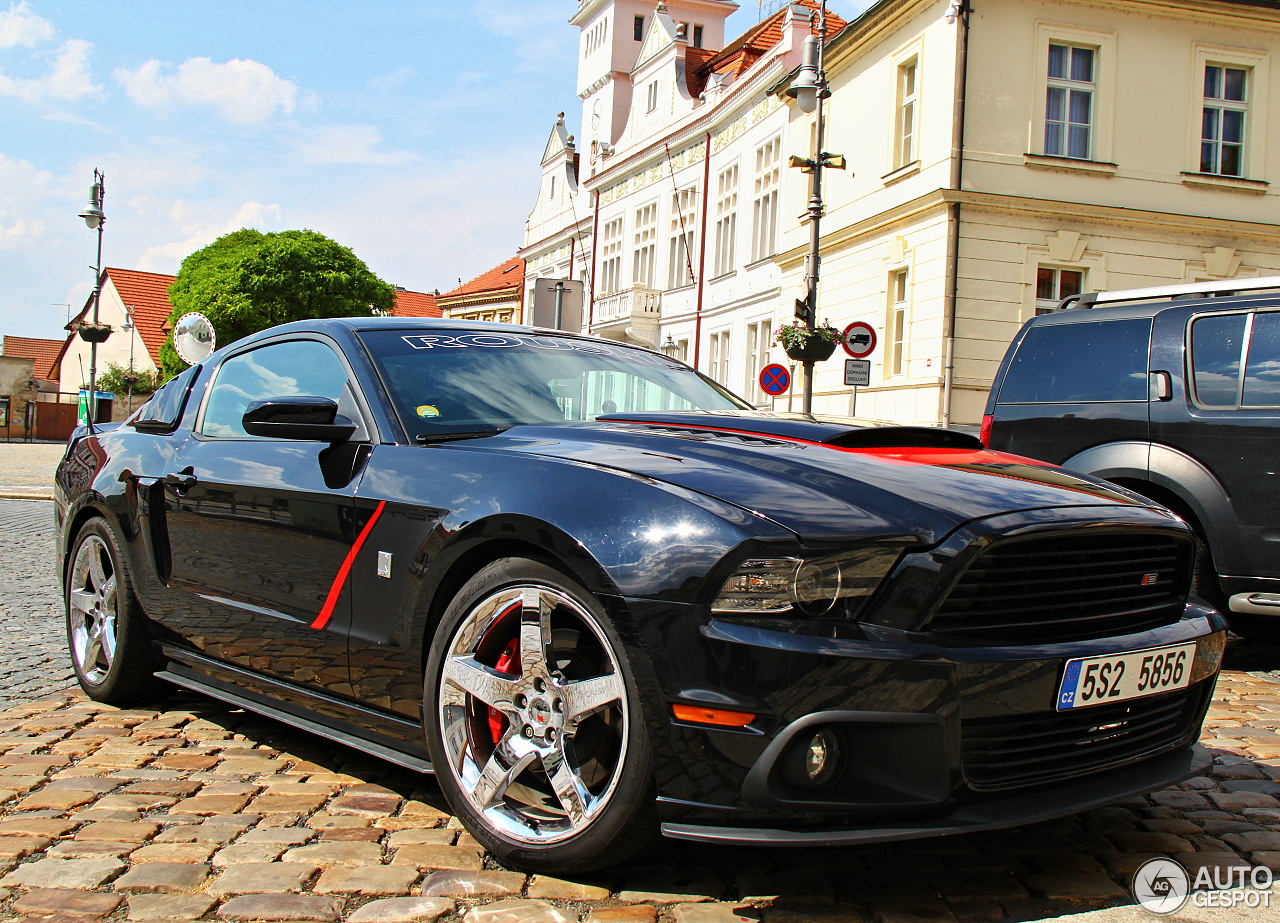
x,y
824,478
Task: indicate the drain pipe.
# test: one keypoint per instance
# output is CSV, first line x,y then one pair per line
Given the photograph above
x,y
702,252
958,11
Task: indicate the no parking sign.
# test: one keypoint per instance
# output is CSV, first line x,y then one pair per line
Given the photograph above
x,y
775,379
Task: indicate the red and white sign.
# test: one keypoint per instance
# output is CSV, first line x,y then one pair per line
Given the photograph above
x,y
859,339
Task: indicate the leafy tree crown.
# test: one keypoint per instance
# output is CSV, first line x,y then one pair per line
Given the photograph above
x,y
247,281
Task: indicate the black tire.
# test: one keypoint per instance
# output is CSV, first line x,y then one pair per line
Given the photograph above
x,y
551,770
106,630
1262,628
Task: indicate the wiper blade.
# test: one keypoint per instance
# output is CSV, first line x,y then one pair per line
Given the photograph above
x,y
428,438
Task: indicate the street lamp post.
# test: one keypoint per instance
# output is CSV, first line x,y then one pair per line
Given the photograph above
x,y
95,218
809,89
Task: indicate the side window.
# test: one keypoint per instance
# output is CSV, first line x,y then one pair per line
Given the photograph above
x,y
1262,371
298,367
164,410
1216,346
1074,363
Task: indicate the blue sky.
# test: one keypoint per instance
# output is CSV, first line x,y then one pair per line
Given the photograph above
x,y
408,131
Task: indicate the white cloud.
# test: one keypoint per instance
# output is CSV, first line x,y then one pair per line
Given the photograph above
x,y
243,91
68,77
541,40
348,144
168,257
20,26
24,190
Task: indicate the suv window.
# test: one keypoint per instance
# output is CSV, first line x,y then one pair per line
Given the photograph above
x,y
1216,343
1070,363
294,368
1262,373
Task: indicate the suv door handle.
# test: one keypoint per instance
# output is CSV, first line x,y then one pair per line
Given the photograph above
x,y
181,481
1162,386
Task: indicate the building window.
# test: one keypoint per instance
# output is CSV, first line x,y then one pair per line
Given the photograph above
x,y
726,219
611,257
683,222
758,340
905,148
639,28
697,36
899,294
551,193
1053,284
719,356
652,100
764,216
1223,120
645,236
1068,116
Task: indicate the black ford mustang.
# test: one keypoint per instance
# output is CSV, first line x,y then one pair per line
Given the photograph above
x,y
603,597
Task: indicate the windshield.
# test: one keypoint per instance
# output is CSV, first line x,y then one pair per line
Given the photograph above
x,y
445,382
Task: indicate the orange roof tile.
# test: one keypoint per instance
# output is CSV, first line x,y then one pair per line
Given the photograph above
x,y
44,352
415,304
508,275
738,56
146,295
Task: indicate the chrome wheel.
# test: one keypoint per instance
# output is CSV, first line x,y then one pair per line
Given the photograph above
x,y
93,608
533,715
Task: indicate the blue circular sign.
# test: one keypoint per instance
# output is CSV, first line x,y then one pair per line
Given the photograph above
x,y
775,379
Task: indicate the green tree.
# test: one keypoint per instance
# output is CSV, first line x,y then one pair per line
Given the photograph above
x,y
116,378
247,281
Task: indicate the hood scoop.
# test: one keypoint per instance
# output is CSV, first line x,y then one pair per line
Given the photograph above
x,y
841,432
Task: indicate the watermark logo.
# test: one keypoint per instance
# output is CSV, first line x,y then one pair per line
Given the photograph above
x,y
1163,886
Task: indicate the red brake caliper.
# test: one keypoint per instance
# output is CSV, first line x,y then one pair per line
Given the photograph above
x,y
508,662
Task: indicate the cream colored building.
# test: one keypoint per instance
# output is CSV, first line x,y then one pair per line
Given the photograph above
x,y
1101,144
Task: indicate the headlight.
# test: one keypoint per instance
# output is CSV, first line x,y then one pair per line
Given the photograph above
x,y
810,585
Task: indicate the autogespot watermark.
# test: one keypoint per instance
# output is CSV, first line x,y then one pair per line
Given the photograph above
x,y
1163,886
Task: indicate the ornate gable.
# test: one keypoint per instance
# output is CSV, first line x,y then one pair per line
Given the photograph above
x,y
661,35
558,143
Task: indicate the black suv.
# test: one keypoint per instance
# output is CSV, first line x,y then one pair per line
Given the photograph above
x,y
1173,392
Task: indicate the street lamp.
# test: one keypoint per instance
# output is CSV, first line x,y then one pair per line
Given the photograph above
x,y
95,218
809,89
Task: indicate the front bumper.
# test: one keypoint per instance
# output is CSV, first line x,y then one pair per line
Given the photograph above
x,y
938,737
972,818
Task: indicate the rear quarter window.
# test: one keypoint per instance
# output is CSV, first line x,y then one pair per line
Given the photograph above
x,y
1077,363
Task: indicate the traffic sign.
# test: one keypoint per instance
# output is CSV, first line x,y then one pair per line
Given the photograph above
x,y
859,339
857,372
775,379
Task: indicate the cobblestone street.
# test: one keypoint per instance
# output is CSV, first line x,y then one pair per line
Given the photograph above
x,y
190,809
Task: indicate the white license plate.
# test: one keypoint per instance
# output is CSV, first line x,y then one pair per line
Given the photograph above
x,y
1117,677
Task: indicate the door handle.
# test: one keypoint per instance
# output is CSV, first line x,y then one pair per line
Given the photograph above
x,y
1162,386
181,481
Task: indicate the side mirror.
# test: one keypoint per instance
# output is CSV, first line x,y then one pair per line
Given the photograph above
x,y
314,419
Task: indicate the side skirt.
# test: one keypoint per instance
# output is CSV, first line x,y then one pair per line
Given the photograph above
x,y
278,701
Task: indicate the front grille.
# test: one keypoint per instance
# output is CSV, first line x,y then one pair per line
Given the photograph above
x,y
1049,589
1052,746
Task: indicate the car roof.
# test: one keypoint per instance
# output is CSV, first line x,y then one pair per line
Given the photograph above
x,y
1150,308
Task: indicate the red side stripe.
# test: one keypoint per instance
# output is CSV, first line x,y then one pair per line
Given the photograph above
x,y
345,570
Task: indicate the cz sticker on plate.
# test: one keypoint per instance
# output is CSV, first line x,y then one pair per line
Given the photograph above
x,y
1118,677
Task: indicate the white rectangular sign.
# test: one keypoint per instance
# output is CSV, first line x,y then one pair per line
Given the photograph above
x,y
857,372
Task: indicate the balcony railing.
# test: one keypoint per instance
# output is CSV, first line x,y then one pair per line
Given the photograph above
x,y
629,304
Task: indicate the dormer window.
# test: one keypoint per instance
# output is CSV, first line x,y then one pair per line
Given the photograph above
x,y
653,97
639,33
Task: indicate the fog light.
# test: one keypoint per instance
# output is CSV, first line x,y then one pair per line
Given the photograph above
x,y
822,758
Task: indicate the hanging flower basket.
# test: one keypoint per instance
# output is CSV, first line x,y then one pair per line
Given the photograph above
x,y
94,333
805,345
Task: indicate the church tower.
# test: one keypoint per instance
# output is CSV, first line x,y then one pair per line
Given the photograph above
x,y
612,33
